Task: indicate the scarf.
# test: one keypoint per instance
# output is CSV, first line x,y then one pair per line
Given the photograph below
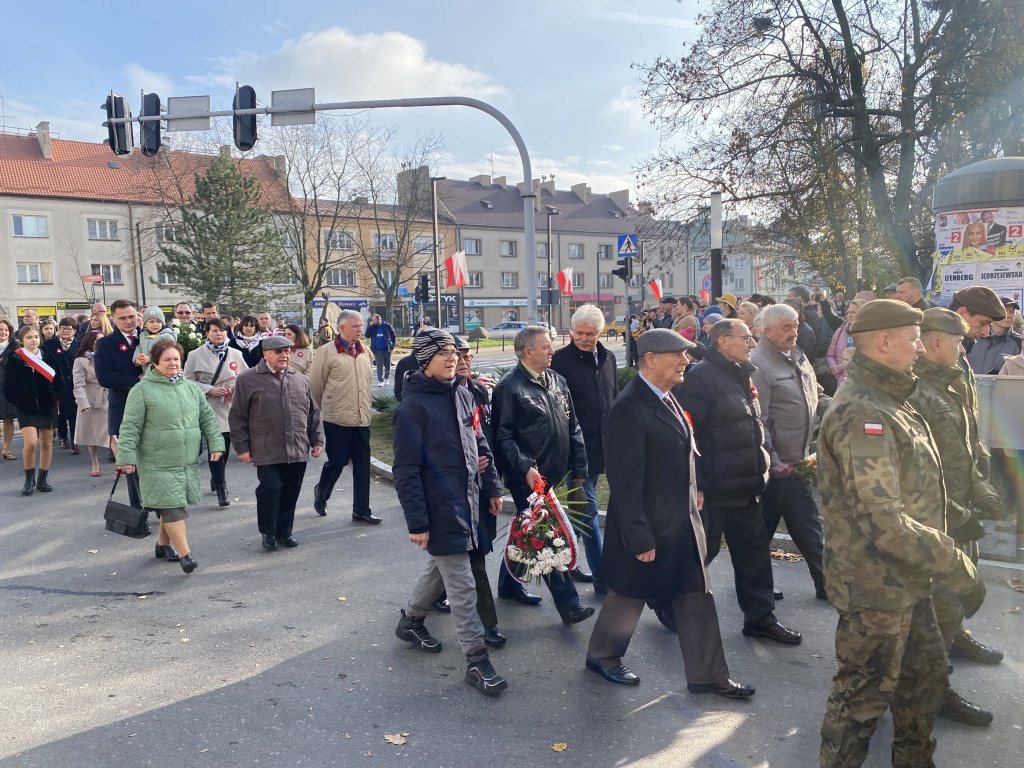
x,y
218,349
65,344
3,347
89,354
348,349
177,376
248,342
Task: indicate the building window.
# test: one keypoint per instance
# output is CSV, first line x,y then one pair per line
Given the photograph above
x,y
575,250
634,282
542,279
387,277
30,226
34,273
290,278
102,229
604,251
341,278
165,276
471,247
475,280
542,250
507,248
384,242
337,240
509,279
287,240
424,245
604,281
670,281
165,234
111,273
577,279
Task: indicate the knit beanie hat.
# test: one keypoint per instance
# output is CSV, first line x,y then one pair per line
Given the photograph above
x,y
153,313
429,342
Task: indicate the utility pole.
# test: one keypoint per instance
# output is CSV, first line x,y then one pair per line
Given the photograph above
x,y
437,268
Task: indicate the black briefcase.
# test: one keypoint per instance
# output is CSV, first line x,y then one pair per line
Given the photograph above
x,y
124,518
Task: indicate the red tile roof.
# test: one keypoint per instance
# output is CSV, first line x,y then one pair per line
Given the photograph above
x,y
84,171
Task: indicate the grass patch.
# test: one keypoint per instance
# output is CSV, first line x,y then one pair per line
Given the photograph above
x,y
405,342
382,438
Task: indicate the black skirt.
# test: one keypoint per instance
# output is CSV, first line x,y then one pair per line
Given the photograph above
x,y
39,421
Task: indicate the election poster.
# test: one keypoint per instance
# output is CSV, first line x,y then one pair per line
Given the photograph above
x,y
1004,276
977,235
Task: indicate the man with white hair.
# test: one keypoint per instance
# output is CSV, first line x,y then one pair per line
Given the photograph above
x,y
791,402
589,370
339,378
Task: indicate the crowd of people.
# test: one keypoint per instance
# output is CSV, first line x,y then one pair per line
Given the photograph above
x,y
714,437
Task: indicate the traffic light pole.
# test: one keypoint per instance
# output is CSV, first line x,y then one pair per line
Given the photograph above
x,y
528,194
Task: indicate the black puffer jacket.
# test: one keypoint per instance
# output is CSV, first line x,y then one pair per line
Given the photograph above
x,y
29,391
436,475
593,387
535,426
722,402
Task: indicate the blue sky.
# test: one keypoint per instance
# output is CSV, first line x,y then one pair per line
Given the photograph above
x,y
559,69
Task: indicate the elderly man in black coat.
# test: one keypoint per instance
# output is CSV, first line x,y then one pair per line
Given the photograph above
x,y
655,547
589,370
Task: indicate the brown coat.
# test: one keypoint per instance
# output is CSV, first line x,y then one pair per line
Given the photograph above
x,y
276,420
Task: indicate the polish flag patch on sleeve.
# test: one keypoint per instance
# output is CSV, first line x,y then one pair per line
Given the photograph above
x,y
872,429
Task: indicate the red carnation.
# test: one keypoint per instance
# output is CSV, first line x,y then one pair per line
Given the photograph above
x,y
537,543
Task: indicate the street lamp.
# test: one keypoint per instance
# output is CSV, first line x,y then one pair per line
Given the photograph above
x,y
437,271
715,230
551,212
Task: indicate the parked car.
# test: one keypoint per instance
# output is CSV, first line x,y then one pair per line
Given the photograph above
x,y
510,328
618,328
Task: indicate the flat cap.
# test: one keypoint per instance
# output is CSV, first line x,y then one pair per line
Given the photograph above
x,y
891,288
1008,302
276,342
944,321
659,340
981,300
667,300
880,314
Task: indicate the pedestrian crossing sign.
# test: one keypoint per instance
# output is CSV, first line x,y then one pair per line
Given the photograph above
x,y
627,245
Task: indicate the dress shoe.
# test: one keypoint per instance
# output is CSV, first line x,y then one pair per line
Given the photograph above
x,y
411,629
64,444
578,574
269,543
521,596
111,457
188,563
966,647
288,541
619,675
441,605
820,593
494,638
167,552
481,674
777,594
956,707
576,614
319,504
74,450
367,518
600,589
664,612
730,689
775,632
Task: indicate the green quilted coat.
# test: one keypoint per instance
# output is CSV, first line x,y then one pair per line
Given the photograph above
x,y
160,435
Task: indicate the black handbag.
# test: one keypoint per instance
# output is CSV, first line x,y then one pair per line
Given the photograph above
x,y
124,518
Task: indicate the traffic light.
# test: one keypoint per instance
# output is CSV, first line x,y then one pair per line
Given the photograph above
x,y
791,269
423,290
625,270
119,135
245,125
150,130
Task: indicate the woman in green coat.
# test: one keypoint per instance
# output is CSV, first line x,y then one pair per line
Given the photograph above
x,y
165,418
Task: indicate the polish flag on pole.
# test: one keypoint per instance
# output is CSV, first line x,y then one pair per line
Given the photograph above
x,y
455,266
656,288
565,281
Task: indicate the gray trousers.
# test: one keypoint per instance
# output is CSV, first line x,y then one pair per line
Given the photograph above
x,y
454,574
700,639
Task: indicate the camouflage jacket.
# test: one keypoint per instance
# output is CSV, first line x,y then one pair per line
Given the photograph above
x,y
967,388
882,496
955,433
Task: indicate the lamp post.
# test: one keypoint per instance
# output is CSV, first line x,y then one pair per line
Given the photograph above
x,y
551,212
715,228
437,270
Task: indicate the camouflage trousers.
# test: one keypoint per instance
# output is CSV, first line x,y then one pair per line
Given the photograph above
x,y
887,659
949,609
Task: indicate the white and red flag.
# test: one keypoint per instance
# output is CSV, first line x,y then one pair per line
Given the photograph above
x,y
656,288
565,281
455,265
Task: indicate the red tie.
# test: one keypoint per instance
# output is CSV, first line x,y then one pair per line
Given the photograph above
x,y
280,374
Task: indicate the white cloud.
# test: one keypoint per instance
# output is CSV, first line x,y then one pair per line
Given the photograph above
x,y
626,111
642,18
142,79
612,147
344,66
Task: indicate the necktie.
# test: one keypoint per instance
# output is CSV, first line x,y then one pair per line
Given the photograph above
x,y
280,374
673,407
135,341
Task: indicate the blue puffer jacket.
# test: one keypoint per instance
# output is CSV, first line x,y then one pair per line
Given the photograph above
x,y
436,475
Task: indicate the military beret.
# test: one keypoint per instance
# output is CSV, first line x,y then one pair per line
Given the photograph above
x,y
891,288
982,301
276,342
659,340
944,321
880,314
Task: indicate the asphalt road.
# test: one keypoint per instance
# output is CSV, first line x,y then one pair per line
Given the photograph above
x,y
111,658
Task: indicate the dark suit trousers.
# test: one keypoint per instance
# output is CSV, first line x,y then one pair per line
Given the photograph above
x,y
790,499
700,638
750,550
276,496
344,445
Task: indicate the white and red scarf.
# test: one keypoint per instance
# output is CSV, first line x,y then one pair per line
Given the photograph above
x,y
35,362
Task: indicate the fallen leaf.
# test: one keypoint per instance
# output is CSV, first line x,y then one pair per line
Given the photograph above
x,y
1017,585
252,645
560,746
114,573
789,557
369,753
348,736
181,630
342,675
203,750
143,597
405,734
184,639
341,598
92,551
237,498
1013,610
394,738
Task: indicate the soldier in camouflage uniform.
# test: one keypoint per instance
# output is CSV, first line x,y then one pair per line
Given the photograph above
x,y
941,398
884,504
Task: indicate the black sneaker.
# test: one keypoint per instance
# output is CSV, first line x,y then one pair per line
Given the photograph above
x,y
481,675
411,629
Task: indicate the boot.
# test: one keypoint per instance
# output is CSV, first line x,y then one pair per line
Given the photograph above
x,y
41,485
188,563
222,495
965,646
481,675
30,482
956,707
167,552
411,629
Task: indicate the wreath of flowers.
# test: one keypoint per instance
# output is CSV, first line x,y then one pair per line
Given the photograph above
x,y
541,538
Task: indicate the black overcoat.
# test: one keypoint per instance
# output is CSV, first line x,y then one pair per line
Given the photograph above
x,y
653,504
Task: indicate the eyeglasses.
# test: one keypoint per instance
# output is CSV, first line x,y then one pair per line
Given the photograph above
x,y
448,354
183,312
746,337
465,355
